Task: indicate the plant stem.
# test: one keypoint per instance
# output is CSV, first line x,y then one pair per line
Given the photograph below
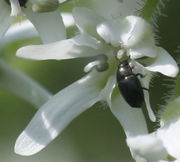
x,y
148,9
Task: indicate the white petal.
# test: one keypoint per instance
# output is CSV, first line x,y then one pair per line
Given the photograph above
x,y
164,64
68,19
86,20
21,31
147,147
15,8
148,106
110,31
79,46
49,25
57,113
146,48
127,32
25,30
135,31
5,19
22,86
106,93
131,119
169,134
145,83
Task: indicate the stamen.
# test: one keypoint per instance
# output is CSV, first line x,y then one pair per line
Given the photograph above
x,y
100,64
103,65
122,55
90,66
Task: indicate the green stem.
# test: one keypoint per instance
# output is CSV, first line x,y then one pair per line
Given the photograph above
x,y
149,8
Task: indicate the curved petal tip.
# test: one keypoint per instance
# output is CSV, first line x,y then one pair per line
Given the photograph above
x,y
164,64
26,146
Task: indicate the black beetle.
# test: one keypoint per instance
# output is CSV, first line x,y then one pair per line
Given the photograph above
x,y
129,85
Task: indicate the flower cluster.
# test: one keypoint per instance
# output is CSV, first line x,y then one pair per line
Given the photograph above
x,y
10,79
109,42
11,9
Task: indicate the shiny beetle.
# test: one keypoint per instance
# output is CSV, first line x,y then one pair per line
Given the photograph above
x,y
129,85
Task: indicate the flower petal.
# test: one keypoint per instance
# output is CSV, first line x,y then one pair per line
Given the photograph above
x,y
136,31
147,147
164,64
25,30
145,83
106,93
57,113
47,21
127,32
148,106
86,20
79,46
131,119
21,85
169,134
110,31
5,18
21,31
68,19
146,48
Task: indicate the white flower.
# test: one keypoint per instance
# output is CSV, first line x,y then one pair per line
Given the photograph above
x,y
26,30
15,81
163,144
105,40
51,21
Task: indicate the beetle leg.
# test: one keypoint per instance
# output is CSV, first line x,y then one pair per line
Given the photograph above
x,y
145,89
141,75
132,67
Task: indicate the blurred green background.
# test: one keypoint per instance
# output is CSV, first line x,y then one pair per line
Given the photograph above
x,y
95,136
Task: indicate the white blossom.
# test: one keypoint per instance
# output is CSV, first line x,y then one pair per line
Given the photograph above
x,y
105,41
163,144
11,79
26,30
51,21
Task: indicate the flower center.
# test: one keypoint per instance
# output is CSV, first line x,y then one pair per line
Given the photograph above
x,y
21,2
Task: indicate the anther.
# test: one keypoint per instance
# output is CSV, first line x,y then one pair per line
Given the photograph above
x,y
122,55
